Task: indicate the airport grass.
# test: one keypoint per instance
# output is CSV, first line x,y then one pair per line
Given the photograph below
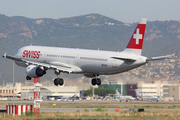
x,y
98,115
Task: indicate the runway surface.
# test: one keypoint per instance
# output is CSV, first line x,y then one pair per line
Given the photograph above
x,y
73,106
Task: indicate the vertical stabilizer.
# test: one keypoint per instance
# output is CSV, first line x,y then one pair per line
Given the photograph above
x,y
75,93
136,42
137,93
117,93
159,97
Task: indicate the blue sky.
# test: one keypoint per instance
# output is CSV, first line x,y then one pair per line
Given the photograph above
x,y
128,11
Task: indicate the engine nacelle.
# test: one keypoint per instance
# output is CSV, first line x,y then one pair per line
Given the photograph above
x,y
35,71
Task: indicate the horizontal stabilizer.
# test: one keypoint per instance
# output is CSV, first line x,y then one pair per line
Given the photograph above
x,y
125,59
161,57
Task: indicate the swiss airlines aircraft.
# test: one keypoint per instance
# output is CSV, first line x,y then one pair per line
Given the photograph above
x,y
91,63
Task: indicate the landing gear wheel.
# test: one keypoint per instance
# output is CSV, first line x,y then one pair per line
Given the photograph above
x,y
94,81
98,80
28,78
61,81
56,81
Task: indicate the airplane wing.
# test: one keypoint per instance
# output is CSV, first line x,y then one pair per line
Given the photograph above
x,y
11,57
161,57
51,65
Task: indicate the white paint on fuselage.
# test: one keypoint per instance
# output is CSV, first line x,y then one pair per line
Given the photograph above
x,y
89,61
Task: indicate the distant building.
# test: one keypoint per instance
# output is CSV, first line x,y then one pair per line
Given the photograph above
x,y
156,88
27,92
131,89
7,91
119,87
174,91
153,88
54,91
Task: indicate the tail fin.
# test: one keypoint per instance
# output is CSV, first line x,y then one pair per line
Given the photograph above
x,y
137,93
75,93
117,93
136,42
159,97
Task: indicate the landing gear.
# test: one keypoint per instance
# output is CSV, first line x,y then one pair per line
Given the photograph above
x,y
28,78
96,81
58,80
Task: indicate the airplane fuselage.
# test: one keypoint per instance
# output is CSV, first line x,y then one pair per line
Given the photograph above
x,y
81,60
91,63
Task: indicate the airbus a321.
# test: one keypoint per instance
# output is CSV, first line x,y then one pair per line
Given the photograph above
x,y
91,63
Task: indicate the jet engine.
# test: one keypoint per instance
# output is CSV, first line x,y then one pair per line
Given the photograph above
x,y
35,71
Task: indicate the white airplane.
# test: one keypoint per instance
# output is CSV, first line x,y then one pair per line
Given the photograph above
x,y
91,63
63,97
68,97
147,96
123,97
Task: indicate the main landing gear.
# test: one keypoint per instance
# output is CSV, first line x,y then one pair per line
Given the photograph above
x,y
96,81
58,80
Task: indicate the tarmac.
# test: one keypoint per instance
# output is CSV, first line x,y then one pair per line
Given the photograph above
x,y
73,106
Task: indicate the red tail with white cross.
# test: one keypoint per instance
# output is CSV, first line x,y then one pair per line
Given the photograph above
x,y
136,42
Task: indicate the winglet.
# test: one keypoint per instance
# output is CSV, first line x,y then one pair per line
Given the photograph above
x,y
173,55
4,56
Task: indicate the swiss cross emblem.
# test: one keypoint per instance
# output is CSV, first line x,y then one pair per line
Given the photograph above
x,y
137,36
